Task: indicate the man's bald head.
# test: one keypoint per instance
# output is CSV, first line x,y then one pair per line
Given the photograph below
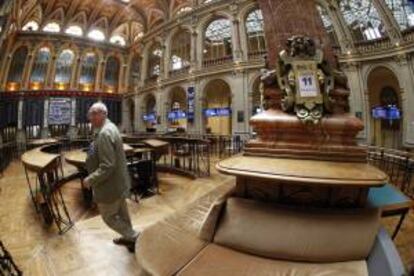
x,y
97,114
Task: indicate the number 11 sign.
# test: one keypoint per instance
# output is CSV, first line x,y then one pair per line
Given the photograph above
x,y
308,86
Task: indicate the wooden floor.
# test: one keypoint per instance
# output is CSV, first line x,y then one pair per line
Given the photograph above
x,y
87,248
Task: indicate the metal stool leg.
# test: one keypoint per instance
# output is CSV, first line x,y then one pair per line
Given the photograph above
x,y
400,222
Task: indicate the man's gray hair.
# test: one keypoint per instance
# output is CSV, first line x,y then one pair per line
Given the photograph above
x,y
99,107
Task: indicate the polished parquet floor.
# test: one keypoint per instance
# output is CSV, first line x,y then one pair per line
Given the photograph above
x,y
87,248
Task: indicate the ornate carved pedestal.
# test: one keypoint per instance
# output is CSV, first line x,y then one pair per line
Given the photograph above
x,y
305,152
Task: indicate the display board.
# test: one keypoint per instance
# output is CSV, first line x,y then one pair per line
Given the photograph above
x,y
60,111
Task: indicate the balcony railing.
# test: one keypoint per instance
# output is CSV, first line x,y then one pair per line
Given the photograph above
x,y
218,61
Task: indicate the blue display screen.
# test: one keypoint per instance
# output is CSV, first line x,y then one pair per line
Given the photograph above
x,y
176,115
386,112
217,112
149,117
393,113
379,112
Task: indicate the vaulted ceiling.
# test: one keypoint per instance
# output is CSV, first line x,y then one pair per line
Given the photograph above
x,y
108,15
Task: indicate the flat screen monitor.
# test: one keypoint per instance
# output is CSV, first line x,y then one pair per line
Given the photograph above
x,y
379,112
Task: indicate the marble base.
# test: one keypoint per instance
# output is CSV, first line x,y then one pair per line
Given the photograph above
x,y
284,135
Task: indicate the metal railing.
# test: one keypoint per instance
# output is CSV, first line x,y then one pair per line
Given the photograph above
x,y
7,265
399,165
8,152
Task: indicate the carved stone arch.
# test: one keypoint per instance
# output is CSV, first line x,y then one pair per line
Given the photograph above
x,y
245,11
79,19
206,20
101,24
35,14
28,7
176,9
56,16
388,65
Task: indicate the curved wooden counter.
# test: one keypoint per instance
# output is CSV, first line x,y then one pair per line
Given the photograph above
x,y
304,172
37,160
77,157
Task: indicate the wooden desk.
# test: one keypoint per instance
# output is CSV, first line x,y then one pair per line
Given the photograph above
x,y
332,184
307,172
42,142
78,157
38,161
45,193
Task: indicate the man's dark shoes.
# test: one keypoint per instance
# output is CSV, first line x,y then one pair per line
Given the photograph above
x,y
125,242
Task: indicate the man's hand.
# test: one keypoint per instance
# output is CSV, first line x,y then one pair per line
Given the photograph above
x,y
86,183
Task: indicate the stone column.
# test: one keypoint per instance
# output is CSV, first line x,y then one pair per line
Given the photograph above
x,y
21,134
284,18
73,129
122,70
239,102
406,82
52,70
144,66
100,75
45,128
237,53
74,83
161,110
28,69
340,27
357,97
199,124
193,50
138,123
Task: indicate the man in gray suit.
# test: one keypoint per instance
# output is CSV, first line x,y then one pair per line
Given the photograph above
x,y
108,176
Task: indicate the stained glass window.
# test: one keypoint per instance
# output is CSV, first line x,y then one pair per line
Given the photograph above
x,y
88,69
31,26
74,30
363,19
112,72
403,11
40,65
255,33
64,67
17,65
180,51
217,42
52,27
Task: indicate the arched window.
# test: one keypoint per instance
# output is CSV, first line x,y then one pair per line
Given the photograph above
x,y
363,19
52,27
327,23
16,68
88,71
217,42
96,35
117,39
255,33
154,61
112,75
180,51
135,75
64,66
39,70
31,26
74,30
403,11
